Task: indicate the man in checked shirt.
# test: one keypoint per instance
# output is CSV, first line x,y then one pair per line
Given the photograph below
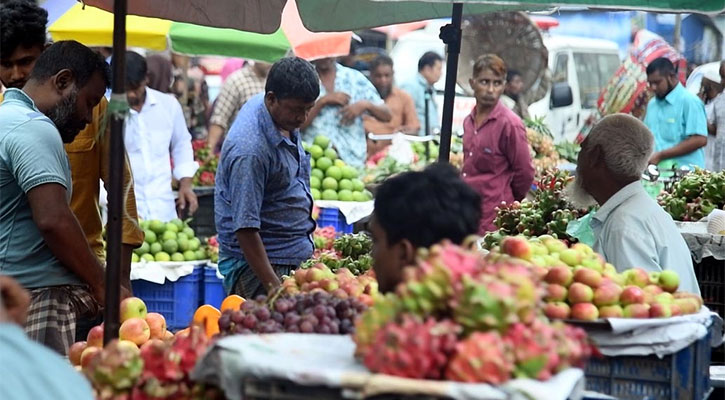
x,y
237,89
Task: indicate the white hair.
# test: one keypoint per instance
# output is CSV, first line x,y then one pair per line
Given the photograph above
x,y
626,142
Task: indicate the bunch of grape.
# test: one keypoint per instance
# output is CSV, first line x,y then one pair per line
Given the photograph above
x,y
317,312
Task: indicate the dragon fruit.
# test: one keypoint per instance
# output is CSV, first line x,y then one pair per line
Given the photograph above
x,y
534,349
572,345
484,303
371,320
412,348
117,369
482,357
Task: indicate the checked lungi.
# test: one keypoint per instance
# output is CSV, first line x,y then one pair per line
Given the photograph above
x,y
53,312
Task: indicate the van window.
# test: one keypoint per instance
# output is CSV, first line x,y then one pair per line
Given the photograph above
x,y
561,70
593,71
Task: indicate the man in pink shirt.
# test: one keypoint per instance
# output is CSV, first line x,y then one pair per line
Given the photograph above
x,y
497,162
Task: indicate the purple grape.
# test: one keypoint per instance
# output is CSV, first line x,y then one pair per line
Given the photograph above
x,y
250,321
282,306
323,329
245,331
291,319
319,311
334,327
225,321
262,313
331,311
306,327
293,329
261,298
278,317
237,317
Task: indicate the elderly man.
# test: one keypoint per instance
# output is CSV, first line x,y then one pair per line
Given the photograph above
x,y
430,69
631,229
716,128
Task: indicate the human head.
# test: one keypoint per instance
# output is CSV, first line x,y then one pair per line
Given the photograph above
x,y
661,77
323,65
414,210
160,73
136,78
488,80
430,65
291,91
615,152
22,40
514,84
73,78
381,75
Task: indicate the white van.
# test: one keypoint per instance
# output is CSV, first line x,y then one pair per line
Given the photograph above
x,y
580,68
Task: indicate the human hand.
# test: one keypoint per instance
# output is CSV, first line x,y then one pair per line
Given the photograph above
x,y
187,198
336,99
655,158
352,111
15,300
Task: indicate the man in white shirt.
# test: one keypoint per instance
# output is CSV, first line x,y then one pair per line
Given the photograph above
x,y
156,136
631,229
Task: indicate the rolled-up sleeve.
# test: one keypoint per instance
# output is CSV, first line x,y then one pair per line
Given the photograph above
x,y
246,186
519,158
181,152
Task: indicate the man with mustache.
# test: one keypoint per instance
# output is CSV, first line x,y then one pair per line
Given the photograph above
x,y
631,229
42,245
23,40
496,156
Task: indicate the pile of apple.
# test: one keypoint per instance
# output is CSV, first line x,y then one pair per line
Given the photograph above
x,y
342,284
138,326
582,285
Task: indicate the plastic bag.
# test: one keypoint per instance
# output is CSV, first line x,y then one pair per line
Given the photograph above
x,y
581,230
400,150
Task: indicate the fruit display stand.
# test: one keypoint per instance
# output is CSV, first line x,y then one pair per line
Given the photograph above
x,y
172,289
310,366
665,358
342,215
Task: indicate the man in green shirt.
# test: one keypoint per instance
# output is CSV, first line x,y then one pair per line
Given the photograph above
x,y
42,244
676,118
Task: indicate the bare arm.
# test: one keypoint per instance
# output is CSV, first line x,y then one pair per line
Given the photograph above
x,y
687,146
215,134
64,236
255,254
380,111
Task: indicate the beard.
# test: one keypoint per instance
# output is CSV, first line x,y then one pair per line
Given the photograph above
x,y
385,92
63,117
578,196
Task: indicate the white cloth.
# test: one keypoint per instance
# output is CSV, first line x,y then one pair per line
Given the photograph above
x,y
154,137
715,149
353,211
632,230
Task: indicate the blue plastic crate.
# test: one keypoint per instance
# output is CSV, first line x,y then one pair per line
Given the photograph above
x,y
213,289
334,218
682,375
176,301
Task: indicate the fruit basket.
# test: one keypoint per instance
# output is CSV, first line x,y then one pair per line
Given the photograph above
x,y
212,288
333,217
176,301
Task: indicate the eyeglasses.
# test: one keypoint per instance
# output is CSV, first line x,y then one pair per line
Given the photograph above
x,y
497,83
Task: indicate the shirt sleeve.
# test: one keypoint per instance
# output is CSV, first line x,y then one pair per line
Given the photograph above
x,y
227,103
181,151
695,118
246,190
519,158
37,155
627,249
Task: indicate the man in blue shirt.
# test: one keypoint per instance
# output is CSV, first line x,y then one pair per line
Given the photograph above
x,y
676,117
430,67
345,96
631,229
42,245
262,200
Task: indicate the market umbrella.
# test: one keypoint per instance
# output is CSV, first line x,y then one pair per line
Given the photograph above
x,y
92,26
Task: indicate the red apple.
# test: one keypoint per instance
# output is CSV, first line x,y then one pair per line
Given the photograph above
x,y
557,310
669,280
580,293
301,276
157,325
676,310
132,307
314,275
632,295
516,246
168,335
88,354
555,292
584,311
687,305
75,352
588,277
660,310
95,336
654,290
637,277
571,257
613,311
135,330
686,295
607,295
560,275
340,293
636,310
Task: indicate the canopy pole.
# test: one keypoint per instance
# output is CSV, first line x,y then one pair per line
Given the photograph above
x,y
451,36
111,313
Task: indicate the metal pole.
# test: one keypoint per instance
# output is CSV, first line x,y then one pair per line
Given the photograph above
x,y
451,36
115,193
427,123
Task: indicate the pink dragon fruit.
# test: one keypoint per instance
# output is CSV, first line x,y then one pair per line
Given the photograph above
x,y
534,349
117,369
484,357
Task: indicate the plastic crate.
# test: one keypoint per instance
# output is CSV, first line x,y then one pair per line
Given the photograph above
x,y
176,301
710,275
682,375
334,218
213,289
202,222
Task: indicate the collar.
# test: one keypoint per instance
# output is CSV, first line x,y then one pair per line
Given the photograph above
x,y
674,94
19,95
152,98
271,132
423,81
615,201
493,115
